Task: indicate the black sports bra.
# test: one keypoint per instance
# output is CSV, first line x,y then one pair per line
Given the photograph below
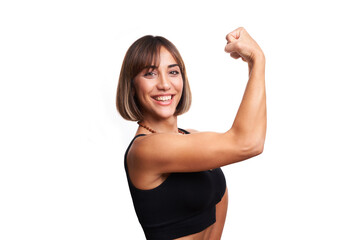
x,y
183,204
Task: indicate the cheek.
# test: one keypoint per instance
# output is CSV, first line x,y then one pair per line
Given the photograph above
x,y
178,84
141,86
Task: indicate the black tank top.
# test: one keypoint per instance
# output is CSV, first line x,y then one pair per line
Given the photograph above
x,y
183,204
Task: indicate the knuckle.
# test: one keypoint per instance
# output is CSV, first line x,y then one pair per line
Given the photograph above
x,y
243,30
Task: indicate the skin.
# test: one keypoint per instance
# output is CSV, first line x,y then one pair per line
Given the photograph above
x,y
175,152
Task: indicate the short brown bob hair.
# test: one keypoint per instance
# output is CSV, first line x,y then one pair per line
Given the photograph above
x,y
143,53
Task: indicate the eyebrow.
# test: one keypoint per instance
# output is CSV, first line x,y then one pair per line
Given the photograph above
x,y
155,67
173,65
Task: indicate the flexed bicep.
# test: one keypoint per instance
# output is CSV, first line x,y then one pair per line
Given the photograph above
x,y
165,153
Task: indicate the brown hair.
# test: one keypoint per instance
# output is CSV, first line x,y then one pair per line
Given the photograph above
x,y
142,54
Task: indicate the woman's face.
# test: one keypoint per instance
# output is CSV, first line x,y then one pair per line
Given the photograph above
x,y
159,89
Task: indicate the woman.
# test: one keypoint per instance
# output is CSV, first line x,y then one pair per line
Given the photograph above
x,y
174,175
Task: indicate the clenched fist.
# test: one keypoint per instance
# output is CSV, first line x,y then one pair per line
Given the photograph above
x,y
241,45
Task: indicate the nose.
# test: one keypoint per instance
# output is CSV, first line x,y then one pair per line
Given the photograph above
x,y
164,82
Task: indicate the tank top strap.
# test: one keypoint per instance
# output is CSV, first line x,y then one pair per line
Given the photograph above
x,y
128,148
186,132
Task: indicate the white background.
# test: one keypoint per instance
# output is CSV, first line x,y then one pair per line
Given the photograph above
x,y
62,141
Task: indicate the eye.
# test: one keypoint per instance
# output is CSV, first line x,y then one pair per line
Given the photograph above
x,y
174,72
149,74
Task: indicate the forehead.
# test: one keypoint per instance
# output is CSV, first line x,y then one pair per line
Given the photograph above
x,y
153,56
165,57
162,57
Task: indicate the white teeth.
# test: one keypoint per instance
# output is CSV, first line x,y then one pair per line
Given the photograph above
x,y
163,98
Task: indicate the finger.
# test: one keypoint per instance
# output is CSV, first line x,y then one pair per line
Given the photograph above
x,y
235,34
230,37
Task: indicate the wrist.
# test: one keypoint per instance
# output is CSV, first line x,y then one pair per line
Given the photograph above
x,y
257,58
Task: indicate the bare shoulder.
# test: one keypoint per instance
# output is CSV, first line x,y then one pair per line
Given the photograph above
x,y
133,150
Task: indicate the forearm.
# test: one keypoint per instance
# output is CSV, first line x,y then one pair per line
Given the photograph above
x,y
250,120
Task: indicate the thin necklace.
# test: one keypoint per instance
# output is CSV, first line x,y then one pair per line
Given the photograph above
x,y
152,130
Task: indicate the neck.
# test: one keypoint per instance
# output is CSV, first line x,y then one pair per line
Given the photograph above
x,y
162,126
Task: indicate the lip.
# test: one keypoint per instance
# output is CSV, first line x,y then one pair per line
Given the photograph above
x,y
163,103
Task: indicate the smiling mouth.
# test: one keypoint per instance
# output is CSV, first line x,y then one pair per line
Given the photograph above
x,y
163,98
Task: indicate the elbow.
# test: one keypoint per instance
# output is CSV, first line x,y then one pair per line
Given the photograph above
x,y
258,149
251,149
245,147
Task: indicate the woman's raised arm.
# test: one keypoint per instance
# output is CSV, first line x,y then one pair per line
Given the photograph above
x,y
165,153
250,120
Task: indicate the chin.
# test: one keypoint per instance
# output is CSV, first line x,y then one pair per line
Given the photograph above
x,y
165,114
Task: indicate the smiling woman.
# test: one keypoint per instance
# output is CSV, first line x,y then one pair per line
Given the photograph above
x,y
141,59
159,88
174,175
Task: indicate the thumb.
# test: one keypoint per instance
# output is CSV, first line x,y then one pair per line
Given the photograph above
x,y
230,47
